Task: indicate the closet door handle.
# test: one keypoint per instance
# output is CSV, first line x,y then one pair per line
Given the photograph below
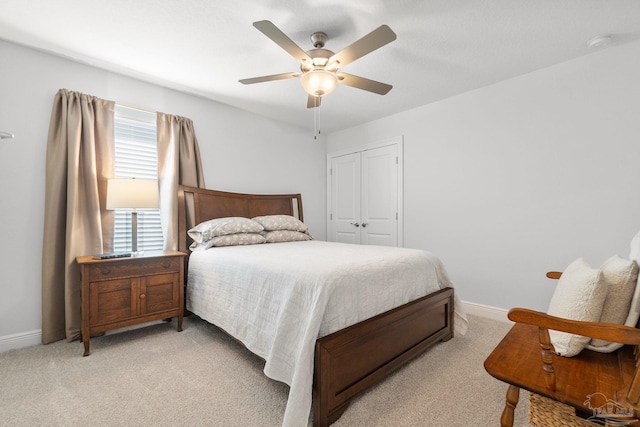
x,y
364,224
355,223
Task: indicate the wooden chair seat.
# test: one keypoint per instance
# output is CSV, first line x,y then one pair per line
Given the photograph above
x,y
525,359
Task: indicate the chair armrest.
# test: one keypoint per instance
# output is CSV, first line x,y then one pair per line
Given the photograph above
x,y
603,331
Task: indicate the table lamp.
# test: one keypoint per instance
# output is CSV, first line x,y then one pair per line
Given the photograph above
x,y
132,193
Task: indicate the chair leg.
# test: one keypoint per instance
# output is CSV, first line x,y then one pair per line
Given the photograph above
x,y
513,395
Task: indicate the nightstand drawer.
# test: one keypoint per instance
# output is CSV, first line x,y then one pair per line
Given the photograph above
x,y
134,267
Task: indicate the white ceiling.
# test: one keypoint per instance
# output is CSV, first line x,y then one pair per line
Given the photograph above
x,y
444,47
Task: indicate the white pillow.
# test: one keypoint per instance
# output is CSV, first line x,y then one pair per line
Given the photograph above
x,y
579,295
634,309
207,230
621,275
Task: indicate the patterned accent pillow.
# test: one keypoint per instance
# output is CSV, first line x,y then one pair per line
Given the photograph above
x,y
281,222
279,236
229,240
207,230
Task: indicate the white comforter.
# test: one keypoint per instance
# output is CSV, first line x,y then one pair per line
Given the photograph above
x,y
278,298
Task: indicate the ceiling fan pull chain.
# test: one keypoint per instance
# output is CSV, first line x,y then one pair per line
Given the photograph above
x,y
316,118
318,111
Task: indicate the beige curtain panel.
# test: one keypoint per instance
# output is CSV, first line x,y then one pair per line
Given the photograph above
x,y
80,157
178,164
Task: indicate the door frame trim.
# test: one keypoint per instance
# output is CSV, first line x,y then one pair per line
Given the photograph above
x,y
398,141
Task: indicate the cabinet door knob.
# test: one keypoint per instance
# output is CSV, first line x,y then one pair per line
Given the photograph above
x,y
166,264
106,270
364,224
142,296
355,223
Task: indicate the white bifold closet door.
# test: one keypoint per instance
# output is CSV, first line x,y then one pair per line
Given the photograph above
x,y
364,197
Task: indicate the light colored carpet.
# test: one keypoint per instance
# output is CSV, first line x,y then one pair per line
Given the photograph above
x,y
155,376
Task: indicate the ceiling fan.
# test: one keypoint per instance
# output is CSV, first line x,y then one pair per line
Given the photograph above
x,y
319,67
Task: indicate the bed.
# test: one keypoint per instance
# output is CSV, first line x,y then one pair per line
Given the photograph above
x,y
330,327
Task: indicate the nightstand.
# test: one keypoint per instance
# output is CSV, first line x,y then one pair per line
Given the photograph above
x,y
127,291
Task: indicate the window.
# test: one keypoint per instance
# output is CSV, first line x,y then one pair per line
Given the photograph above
x,y
136,156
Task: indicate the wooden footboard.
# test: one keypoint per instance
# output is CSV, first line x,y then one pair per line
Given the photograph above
x,y
352,360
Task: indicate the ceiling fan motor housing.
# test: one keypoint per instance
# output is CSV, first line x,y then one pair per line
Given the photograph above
x,y
320,59
318,39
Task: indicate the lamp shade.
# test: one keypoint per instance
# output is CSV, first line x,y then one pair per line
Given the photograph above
x,y
319,82
131,193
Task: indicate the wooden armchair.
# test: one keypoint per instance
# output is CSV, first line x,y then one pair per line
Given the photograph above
x,y
589,389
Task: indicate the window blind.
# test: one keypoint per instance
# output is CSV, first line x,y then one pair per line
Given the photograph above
x,y
136,156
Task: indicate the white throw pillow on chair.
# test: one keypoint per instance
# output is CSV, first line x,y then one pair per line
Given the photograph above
x,y
634,309
579,295
621,275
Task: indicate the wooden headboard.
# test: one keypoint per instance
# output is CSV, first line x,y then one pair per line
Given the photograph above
x,y
211,204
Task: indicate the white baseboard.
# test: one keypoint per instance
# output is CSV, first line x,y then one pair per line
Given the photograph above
x,y
495,313
21,340
27,339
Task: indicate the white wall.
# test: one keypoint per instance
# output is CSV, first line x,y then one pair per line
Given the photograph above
x,y
503,183
509,181
241,152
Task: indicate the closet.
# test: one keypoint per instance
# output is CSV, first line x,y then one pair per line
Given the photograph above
x,y
365,195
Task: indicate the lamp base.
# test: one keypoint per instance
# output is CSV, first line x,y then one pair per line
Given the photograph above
x,y
134,232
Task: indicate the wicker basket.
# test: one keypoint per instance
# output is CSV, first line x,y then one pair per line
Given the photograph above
x,y
544,412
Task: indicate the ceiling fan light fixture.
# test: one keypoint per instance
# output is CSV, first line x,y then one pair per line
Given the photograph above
x,y
319,82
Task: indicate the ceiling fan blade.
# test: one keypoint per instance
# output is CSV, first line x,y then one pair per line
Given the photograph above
x,y
269,78
364,84
313,101
367,44
282,40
